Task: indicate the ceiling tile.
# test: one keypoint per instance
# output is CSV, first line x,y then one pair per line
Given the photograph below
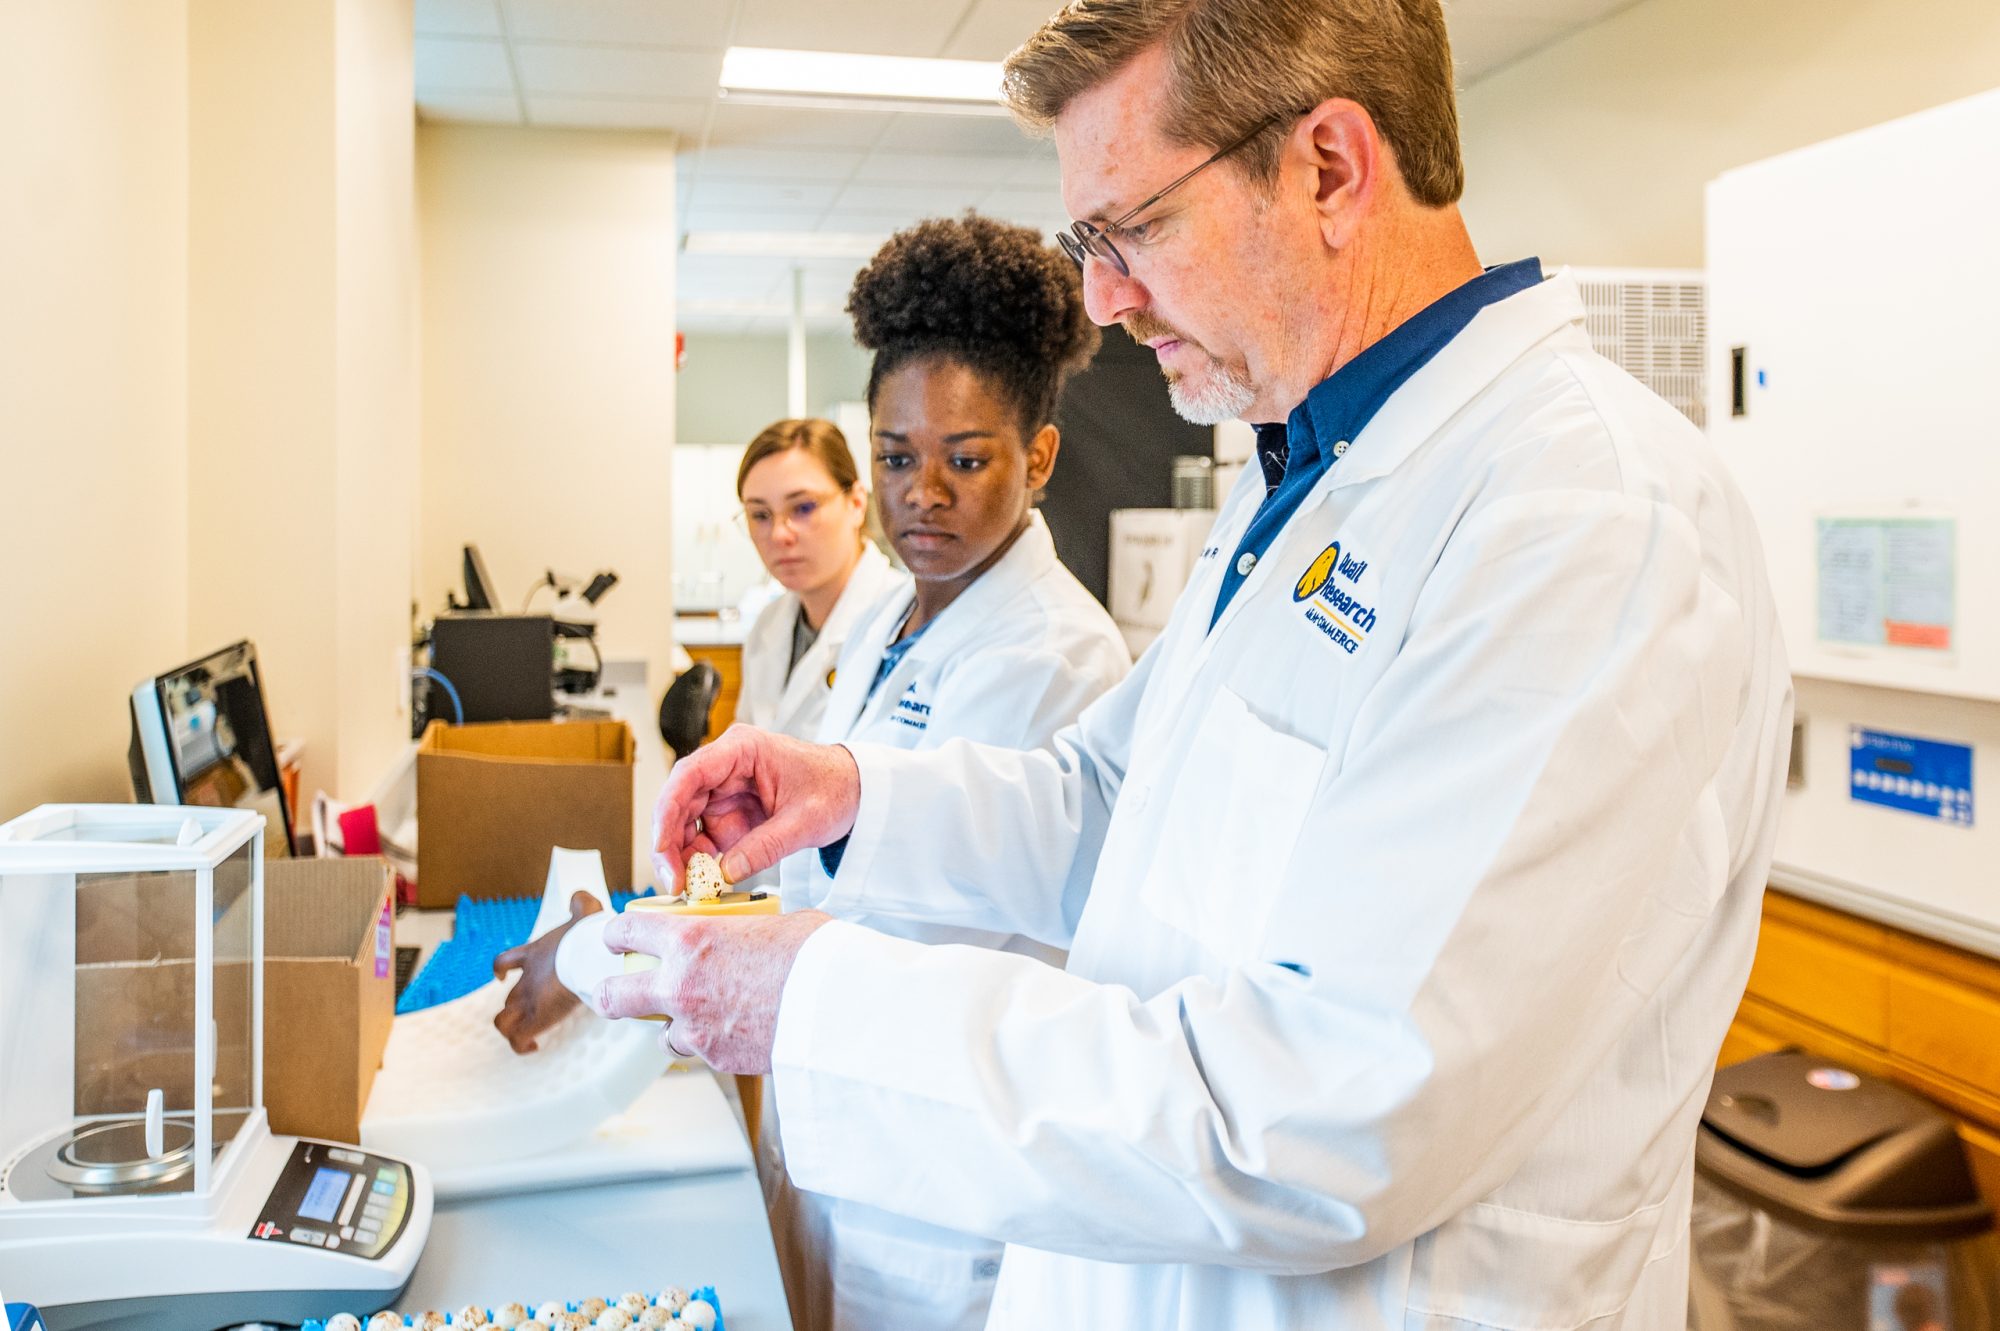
x,y
681,115
869,222
477,108
786,127
877,27
458,18
918,200
705,217
684,23
778,195
562,69
890,167
955,134
817,164
995,27
461,64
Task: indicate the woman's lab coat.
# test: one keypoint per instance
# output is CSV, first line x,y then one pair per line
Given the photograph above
x,y
794,705
1428,884
1015,658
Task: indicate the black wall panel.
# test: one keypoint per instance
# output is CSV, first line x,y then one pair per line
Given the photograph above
x,y
1119,439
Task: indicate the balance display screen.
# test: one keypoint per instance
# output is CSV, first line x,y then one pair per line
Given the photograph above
x,y
324,1193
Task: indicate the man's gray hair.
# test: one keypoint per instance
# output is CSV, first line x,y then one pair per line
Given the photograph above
x,y
1239,63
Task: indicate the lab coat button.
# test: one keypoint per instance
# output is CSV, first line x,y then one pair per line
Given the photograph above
x,y
1245,562
1340,448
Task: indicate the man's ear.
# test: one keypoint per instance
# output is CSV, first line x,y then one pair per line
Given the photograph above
x,y
1344,158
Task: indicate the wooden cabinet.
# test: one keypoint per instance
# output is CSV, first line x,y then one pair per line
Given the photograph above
x,y
728,662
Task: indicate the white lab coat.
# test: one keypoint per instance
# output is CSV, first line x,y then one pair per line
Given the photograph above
x,y
794,705
1015,658
1396,975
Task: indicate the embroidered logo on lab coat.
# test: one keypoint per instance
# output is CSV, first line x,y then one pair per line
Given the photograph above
x,y
1329,605
912,713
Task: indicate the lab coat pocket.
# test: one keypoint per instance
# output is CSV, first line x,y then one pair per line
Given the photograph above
x,y
1227,828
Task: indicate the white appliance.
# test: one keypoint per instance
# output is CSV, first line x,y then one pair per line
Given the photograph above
x,y
1152,552
1654,323
140,1184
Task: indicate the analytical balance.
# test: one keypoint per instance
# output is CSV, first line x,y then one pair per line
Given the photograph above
x,y
140,1184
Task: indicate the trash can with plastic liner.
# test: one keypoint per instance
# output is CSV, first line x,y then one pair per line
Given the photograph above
x,y
1830,1200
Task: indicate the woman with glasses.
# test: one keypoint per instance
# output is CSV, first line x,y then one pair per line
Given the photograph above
x,y
975,326
805,510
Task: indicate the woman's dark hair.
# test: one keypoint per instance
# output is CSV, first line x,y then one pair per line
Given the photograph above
x,y
821,438
988,295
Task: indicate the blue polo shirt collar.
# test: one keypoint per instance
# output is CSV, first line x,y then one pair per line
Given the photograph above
x,y
1296,455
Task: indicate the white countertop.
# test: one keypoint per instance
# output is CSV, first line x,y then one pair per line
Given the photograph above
x,y
709,631
705,1229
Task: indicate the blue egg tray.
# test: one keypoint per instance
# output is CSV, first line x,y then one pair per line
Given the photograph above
x,y
482,929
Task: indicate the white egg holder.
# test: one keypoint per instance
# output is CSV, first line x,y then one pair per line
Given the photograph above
x,y
669,1308
590,1105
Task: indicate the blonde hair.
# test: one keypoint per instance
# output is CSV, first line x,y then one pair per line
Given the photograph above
x,y
821,438
1238,64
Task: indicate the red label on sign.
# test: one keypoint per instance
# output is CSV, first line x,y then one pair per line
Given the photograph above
x,y
1936,636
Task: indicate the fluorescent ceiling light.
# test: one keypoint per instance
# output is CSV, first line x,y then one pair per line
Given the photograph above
x,y
784,244
759,74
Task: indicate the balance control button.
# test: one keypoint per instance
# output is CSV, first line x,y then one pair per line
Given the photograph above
x,y
347,1157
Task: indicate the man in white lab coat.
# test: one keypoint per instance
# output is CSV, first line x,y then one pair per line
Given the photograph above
x,y
1411,879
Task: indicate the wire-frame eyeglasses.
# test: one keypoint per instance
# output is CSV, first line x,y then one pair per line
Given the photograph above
x,y
1083,241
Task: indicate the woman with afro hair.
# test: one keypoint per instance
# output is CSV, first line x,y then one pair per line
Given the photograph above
x,y
975,326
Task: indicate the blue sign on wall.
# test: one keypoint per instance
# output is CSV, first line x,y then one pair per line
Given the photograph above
x,y
1923,776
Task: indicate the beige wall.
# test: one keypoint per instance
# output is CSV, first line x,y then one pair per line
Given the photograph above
x,y
93,405
548,379
302,418
1596,151
376,422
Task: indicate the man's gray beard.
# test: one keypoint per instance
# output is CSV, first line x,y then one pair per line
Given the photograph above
x,y
1224,395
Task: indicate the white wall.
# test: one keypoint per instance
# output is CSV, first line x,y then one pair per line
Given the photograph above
x,y
548,366
735,383
1596,150
93,386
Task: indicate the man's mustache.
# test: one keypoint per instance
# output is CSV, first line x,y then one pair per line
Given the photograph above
x,y
1146,328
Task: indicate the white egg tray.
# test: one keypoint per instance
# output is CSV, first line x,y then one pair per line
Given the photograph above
x,y
671,1308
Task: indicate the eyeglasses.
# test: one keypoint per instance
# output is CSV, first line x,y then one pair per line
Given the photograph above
x,y
1083,241
798,515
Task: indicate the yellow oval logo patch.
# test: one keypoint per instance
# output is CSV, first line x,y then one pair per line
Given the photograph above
x,y
1315,577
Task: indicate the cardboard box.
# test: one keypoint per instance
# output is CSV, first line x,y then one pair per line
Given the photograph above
x,y
329,991
329,994
493,800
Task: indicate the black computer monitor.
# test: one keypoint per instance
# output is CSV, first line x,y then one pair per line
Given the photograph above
x,y
201,735
479,593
